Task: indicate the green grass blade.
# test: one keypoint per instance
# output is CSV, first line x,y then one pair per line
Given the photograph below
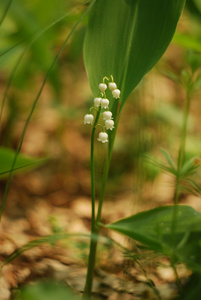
x,y
34,36
49,239
6,51
5,11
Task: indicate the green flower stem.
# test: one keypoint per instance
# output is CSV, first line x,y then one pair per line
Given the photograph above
x,y
95,223
93,195
105,176
91,260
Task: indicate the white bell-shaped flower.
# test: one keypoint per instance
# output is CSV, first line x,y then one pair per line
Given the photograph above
x,y
104,103
109,124
88,119
116,93
103,137
107,115
97,102
112,86
102,87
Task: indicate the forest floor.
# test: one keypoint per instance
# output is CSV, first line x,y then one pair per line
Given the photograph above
x,y
55,198
51,210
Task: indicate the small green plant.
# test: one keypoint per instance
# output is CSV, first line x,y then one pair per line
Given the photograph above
x,y
113,51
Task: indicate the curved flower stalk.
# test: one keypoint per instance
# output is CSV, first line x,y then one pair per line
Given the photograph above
x,y
103,119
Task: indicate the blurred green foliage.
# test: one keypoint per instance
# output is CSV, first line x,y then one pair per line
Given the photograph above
x,y
22,164
194,6
47,290
31,35
40,26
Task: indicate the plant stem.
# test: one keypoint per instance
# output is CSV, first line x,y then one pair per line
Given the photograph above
x,y
91,265
95,223
93,194
93,244
104,180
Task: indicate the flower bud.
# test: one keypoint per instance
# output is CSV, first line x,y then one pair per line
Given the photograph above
x,y
97,102
109,124
112,86
102,87
88,119
107,115
104,103
103,137
116,93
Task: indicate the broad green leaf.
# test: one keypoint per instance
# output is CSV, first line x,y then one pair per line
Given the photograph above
x,y
154,228
126,38
7,157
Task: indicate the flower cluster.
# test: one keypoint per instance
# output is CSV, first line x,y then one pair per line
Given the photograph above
x,y
102,103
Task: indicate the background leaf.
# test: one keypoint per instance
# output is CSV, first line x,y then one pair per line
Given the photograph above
x,y
126,38
6,161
